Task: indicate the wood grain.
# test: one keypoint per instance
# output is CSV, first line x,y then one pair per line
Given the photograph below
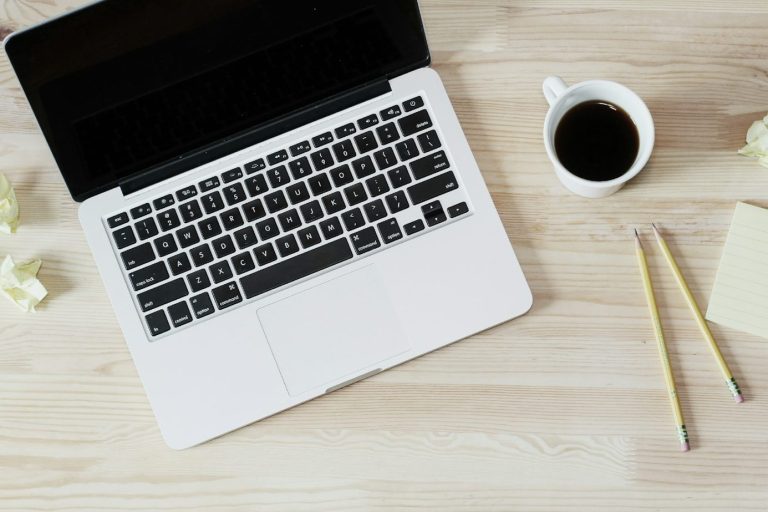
x,y
563,409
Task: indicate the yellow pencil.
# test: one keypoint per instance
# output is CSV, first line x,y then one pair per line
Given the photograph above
x,y
732,385
682,433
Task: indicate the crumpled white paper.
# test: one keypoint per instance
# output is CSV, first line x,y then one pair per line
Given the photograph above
x,y
757,142
20,284
9,208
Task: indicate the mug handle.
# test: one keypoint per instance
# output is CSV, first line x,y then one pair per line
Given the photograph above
x,y
553,87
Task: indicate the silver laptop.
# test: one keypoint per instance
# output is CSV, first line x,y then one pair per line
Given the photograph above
x,y
278,195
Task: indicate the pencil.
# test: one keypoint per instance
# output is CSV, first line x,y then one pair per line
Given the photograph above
x,y
682,433
726,371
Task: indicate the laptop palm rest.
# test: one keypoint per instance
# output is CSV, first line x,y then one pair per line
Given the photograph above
x,y
334,331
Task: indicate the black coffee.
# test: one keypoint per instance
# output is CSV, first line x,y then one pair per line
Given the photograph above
x,y
597,141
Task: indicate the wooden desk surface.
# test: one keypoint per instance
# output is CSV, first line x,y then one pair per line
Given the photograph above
x,y
563,409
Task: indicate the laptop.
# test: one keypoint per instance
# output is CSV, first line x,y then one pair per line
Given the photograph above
x,y
278,195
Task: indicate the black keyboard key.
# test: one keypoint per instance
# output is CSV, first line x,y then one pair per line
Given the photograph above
x,y
397,202
277,157
429,165
232,175
220,271
414,227
163,202
149,276
433,213
255,166
366,142
198,280
309,237
385,158
157,323
387,133
201,255
256,185
187,236
333,203
209,184
399,176
355,194
341,175
166,245
168,220
287,245
243,263
390,113
322,139
377,185
232,219
212,202
190,211
311,211
331,228
124,237
353,219
289,220
322,159
457,210
344,150
267,229
265,254
300,148
375,210
346,130
297,193
223,246
162,295
319,184
368,121
186,193
245,237
141,211
234,194
407,150
429,141
276,201
365,240
433,187
138,256
415,123
202,305
227,295
363,167
117,220
390,231
298,267
146,228
254,210
179,314
413,103
278,176
300,168
179,263
209,228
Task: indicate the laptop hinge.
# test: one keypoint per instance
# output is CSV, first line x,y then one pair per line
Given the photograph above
x,y
259,134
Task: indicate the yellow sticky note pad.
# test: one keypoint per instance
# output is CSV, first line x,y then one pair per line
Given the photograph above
x,y
740,295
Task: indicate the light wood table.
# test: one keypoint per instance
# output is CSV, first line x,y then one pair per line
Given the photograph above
x,y
564,409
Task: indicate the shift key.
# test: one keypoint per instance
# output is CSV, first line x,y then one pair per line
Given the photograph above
x,y
162,295
433,187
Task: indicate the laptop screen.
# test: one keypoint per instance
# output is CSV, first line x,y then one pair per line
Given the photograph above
x,y
123,86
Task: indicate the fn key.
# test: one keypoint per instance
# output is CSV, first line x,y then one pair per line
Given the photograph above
x,y
158,323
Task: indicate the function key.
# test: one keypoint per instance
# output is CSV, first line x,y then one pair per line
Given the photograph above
x,y
344,131
157,323
390,113
276,158
457,209
368,121
322,139
300,148
163,202
186,193
210,183
413,104
232,175
117,220
255,166
141,211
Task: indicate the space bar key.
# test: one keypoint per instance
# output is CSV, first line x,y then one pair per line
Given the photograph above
x,y
296,268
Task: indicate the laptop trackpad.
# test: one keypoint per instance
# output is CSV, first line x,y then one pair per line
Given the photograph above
x,y
332,332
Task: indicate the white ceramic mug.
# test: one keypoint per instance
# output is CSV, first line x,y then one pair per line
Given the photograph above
x,y
562,99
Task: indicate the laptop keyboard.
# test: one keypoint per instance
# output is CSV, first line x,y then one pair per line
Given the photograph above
x,y
315,204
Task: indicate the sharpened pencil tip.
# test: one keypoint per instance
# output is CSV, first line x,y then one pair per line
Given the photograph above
x,y
637,235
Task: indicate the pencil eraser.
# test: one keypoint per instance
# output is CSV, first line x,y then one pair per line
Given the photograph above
x,y
685,446
739,398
